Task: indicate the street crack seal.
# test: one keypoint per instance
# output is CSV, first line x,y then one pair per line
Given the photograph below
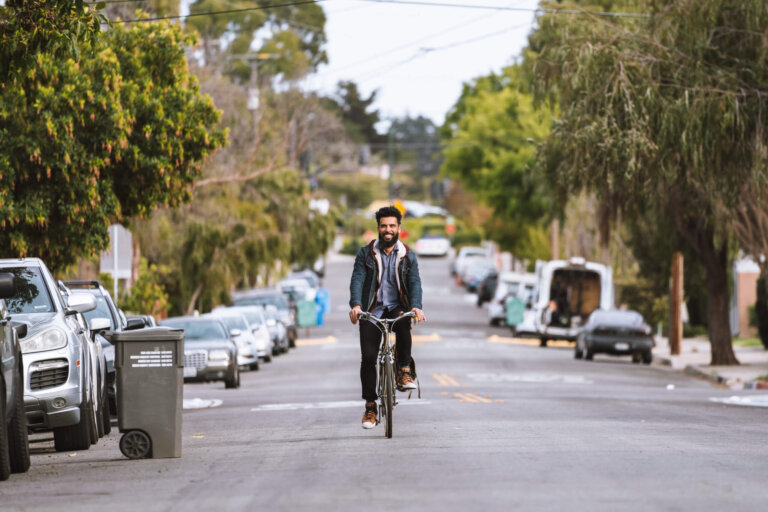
x,y
749,401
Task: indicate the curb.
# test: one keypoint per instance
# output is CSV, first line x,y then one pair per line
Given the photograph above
x,y
695,371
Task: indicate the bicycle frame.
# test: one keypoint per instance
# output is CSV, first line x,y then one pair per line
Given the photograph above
x,y
386,361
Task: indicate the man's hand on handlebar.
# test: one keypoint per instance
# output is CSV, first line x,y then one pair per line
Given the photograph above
x,y
419,315
354,314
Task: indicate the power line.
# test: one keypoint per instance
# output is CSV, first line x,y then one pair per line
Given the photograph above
x,y
503,8
231,11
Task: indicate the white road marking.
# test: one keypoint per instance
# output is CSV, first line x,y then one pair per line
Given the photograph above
x,y
750,401
533,378
470,298
326,405
199,403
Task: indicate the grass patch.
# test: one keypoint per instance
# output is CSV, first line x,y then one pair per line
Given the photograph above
x,y
747,342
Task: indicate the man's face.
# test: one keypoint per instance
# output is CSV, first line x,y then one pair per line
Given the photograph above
x,y
389,230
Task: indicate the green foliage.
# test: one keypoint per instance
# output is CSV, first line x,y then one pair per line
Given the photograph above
x,y
147,296
106,281
294,33
356,191
88,142
354,110
486,135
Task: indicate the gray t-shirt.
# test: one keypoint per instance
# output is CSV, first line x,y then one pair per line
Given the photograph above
x,y
388,296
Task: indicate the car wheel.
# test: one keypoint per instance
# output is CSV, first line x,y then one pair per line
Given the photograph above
x,y
268,359
106,418
494,322
588,354
577,352
5,456
233,381
99,419
255,366
543,342
647,357
18,440
75,437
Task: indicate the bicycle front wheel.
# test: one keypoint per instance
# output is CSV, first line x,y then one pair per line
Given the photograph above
x,y
388,396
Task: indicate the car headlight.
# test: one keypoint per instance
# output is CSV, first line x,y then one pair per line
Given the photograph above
x,y
218,355
49,339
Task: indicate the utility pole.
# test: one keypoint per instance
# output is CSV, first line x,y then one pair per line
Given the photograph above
x,y
253,88
676,305
391,155
555,239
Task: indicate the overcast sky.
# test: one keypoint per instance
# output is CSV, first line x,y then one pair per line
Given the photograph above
x,y
418,56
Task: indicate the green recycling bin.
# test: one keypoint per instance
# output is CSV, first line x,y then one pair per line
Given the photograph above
x,y
150,388
515,309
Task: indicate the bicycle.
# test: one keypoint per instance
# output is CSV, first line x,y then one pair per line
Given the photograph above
x,y
386,361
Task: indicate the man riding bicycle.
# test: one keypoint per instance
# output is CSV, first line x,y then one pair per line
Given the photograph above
x,y
385,282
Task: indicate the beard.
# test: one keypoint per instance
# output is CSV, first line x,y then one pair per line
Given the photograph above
x,y
387,244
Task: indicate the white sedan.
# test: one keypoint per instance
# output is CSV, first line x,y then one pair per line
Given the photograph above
x,y
432,245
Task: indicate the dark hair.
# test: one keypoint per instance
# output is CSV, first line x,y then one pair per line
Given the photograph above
x,y
388,211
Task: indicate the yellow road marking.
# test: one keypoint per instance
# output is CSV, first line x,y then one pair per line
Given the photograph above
x,y
528,341
426,338
445,380
306,342
472,398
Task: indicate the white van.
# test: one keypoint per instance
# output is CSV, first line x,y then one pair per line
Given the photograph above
x,y
510,285
569,291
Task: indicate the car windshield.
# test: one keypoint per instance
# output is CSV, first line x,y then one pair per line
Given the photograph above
x,y
264,300
32,294
432,237
199,329
253,316
618,317
102,310
310,280
234,322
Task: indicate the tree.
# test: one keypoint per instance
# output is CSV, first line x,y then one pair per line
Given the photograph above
x,y
111,128
147,296
354,110
296,33
487,148
663,113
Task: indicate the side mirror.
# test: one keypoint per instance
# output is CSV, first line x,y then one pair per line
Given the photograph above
x,y
99,324
7,286
80,303
235,332
21,329
134,323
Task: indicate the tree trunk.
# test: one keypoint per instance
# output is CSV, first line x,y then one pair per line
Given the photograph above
x,y
718,304
193,300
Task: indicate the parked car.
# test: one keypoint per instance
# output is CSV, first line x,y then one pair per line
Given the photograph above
x,y
106,309
277,331
475,272
270,297
134,322
59,392
247,347
510,285
309,276
296,289
464,257
432,245
568,292
487,288
14,444
615,332
210,354
254,315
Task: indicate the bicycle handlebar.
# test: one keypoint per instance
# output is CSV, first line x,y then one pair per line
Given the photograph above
x,y
385,322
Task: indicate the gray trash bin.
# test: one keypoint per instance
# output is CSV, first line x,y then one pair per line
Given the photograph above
x,y
150,382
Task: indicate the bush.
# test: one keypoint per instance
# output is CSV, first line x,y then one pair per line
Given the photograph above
x,y
352,245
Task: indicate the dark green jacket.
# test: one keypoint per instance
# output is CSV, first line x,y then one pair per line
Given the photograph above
x,y
366,278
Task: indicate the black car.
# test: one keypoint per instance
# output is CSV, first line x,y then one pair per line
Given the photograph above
x,y
615,332
14,445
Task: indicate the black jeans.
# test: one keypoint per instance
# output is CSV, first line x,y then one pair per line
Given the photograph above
x,y
370,339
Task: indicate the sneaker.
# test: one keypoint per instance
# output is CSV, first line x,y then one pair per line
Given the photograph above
x,y
405,380
369,418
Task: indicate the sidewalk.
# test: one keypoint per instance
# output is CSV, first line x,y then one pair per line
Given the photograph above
x,y
695,356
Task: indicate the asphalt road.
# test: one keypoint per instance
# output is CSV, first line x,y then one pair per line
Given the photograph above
x,y
501,426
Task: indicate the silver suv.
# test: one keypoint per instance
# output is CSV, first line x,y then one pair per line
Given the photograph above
x,y
59,393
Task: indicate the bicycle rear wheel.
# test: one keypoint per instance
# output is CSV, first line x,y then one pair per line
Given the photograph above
x,y
388,397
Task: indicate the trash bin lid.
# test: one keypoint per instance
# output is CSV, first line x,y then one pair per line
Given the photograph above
x,y
148,334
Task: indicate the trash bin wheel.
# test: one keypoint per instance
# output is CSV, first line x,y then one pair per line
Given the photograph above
x,y
135,444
